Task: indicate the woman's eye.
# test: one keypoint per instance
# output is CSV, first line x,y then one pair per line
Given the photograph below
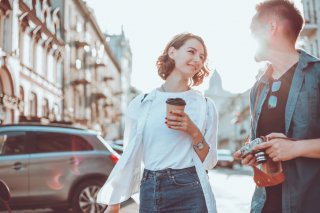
x,y
191,51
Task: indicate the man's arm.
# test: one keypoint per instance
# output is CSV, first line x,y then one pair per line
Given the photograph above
x,y
279,148
309,148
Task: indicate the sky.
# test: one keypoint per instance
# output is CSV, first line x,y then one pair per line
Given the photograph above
x,y
150,24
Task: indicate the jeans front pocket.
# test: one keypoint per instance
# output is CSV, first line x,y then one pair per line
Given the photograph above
x,y
185,179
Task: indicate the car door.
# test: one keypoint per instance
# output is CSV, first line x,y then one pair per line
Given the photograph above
x,y
49,165
14,161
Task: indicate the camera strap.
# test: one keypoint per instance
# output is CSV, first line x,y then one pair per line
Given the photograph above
x,y
263,179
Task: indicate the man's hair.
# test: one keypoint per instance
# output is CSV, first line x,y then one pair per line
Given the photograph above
x,y
165,64
286,11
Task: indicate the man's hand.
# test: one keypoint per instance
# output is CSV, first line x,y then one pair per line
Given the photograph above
x,y
249,160
113,209
279,148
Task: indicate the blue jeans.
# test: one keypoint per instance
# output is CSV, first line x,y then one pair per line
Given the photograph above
x,y
171,191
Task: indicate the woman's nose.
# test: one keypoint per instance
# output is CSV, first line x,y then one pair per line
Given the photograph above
x,y
197,58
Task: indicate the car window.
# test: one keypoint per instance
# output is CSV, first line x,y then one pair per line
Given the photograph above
x,y
12,143
59,142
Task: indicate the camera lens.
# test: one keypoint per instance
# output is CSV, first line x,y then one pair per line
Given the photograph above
x,y
260,157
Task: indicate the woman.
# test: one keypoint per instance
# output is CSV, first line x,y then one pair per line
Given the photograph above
x,y
175,148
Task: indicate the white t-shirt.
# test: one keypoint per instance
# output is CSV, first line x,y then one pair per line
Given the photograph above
x,y
164,147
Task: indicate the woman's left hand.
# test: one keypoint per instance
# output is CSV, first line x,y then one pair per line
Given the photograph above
x,y
179,120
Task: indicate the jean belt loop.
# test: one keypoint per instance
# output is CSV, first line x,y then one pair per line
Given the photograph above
x,y
169,173
145,175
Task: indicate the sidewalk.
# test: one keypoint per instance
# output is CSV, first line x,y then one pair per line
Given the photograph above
x,y
129,206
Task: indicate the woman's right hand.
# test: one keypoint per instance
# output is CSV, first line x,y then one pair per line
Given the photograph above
x,y
113,209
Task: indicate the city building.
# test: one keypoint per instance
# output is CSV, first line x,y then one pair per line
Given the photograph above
x,y
121,49
92,74
310,35
31,56
233,110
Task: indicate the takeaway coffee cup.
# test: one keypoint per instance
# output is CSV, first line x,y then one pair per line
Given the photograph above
x,y
175,103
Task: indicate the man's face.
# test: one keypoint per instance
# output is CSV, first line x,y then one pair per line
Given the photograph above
x,y
259,31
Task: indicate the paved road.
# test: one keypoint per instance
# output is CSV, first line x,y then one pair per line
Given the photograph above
x,y
127,207
232,188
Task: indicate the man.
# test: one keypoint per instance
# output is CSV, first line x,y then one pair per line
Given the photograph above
x,y
285,103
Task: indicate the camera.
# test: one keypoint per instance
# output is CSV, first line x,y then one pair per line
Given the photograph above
x,y
248,149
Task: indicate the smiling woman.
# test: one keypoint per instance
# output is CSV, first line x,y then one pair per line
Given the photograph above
x,y
172,133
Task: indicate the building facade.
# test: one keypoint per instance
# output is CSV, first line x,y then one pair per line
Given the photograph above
x,y
121,49
233,110
310,35
56,65
31,56
92,76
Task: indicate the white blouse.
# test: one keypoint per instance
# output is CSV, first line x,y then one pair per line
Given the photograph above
x,y
125,177
164,147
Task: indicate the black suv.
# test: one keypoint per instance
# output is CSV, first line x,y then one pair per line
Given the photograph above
x,y
54,167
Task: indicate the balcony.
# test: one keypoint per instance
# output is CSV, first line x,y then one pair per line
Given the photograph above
x,y
107,78
99,63
82,116
99,91
309,29
80,77
80,43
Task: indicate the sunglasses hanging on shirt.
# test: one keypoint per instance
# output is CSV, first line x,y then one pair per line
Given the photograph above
x,y
273,99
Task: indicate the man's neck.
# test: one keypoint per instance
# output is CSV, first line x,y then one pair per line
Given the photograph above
x,y
282,61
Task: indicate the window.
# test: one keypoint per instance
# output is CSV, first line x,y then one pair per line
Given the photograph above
x,y
45,142
2,17
25,50
39,59
45,62
33,56
308,13
56,112
314,12
50,67
33,104
12,143
21,34
45,108
21,98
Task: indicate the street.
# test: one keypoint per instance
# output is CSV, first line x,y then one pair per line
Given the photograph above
x,y
232,188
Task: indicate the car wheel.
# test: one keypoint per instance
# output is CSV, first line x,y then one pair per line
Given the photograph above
x,y
84,197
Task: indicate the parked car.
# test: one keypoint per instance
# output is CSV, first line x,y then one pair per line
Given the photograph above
x,y
54,166
225,158
5,195
117,145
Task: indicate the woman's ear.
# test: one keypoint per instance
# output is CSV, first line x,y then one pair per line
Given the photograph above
x,y
171,52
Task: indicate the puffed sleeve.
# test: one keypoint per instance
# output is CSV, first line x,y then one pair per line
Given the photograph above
x,y
210,135
123,180
131,119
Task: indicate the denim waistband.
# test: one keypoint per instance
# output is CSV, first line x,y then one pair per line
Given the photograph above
x,y
167,172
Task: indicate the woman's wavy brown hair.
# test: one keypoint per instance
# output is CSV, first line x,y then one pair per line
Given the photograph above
x,y
165,64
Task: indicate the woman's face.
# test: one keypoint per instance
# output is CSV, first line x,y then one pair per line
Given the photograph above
x,y
189,58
